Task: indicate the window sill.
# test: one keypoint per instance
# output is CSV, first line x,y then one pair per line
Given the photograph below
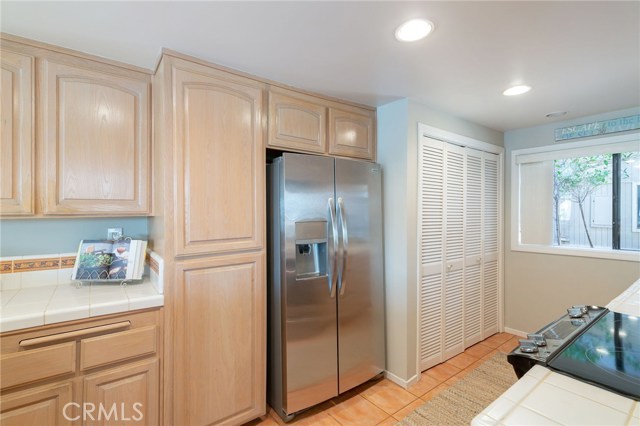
x,y
624,255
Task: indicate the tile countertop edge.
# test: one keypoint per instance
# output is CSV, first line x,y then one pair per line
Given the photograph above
x,y
37,307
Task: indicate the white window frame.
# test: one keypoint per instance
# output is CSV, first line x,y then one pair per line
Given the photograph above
x,y
571,149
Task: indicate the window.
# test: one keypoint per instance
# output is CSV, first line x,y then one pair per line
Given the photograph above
x,y
578,198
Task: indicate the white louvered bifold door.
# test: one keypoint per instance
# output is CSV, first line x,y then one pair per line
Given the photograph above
x,y
454,250
431,216
473,249
458,219
490,203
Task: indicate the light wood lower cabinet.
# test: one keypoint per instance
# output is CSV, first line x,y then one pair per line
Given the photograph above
x,y
220,340
49,405
102,371
133,390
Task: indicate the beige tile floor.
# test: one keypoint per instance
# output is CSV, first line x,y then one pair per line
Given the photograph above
x,y
383,402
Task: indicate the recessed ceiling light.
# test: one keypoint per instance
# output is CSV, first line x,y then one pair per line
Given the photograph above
x,y
414,30
556,114
516,90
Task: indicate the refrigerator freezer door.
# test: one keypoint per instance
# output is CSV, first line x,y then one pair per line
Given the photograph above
x,y
309,307
361,346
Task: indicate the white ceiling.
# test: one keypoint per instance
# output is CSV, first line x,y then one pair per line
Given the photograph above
x,y
580,57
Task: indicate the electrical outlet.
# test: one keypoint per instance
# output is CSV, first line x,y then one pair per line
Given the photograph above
x,y
114,233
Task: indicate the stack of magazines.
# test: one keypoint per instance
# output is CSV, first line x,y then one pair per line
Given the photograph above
x,y
121,259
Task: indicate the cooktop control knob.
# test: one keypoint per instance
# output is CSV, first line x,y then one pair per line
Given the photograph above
x,y
575,312
537,338
528,346
583,308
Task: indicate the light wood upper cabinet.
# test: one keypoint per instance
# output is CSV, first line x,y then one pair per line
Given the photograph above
x,y
44,405
352,133
221,304
219,161
296,122
16,134
95,139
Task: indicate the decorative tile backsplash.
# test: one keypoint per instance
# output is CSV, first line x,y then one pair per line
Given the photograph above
x,y
49,261
54,269
37,263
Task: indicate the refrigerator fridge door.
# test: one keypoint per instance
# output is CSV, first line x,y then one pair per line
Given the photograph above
x,y
309,305
361,346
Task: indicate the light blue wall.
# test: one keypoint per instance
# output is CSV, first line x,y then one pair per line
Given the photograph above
x,y
46,236
392,140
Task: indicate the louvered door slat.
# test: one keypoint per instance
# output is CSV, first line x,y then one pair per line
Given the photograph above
x,y
453,314
472,305
490,204
473,248
431,216
430,320
490,298
454,239
431,202
454,203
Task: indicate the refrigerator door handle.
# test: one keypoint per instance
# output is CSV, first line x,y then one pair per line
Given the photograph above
x,y
333,275
345,245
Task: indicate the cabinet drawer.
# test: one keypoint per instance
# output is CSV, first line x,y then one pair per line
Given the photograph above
x,y
37,364
116,347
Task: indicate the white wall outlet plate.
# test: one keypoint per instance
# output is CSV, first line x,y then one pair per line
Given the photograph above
x,y
114,233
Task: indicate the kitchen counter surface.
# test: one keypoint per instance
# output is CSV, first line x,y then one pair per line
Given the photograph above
x,y
36,306
544,397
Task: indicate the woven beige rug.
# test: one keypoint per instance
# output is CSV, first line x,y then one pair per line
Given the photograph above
x,y
462,401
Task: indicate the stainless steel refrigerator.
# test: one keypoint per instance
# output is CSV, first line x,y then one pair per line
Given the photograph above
x,y
326,295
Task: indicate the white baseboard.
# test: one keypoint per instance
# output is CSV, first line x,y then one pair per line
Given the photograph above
x,y
516,332
401,382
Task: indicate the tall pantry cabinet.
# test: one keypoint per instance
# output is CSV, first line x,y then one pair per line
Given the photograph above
x,y
209,179
459,217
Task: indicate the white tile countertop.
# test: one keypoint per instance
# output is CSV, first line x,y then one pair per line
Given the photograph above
x,y
35,306
544,397
628,302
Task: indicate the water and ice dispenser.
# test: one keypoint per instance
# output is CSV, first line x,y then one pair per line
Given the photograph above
x,y
311,249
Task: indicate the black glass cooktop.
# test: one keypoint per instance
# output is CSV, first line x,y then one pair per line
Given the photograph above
x,y
607,355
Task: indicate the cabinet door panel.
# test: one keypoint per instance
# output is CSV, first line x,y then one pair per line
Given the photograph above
x,y
351,133
219,164
296,123
45,405
96,141
16,134
221,332
134,391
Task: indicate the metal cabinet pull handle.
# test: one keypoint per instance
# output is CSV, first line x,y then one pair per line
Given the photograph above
x,y
53,338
